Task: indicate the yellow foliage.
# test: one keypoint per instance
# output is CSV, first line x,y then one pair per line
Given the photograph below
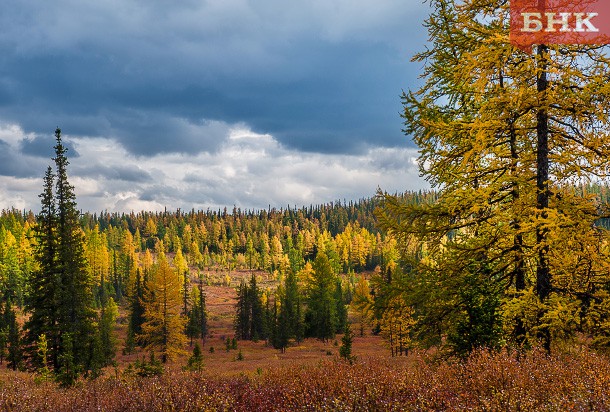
x,y
396,324
163,330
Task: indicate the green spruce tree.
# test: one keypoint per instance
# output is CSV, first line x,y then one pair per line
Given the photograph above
x,y
321,314
42,304
345,351
75,298
15,350
136,312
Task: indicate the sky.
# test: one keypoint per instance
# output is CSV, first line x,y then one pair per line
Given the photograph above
x,y
208,103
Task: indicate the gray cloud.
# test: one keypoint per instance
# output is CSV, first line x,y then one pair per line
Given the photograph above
x,y
42,146
13,163
247,169
126,173
321,76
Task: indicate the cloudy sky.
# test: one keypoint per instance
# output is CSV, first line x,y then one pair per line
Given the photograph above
x,y
208,103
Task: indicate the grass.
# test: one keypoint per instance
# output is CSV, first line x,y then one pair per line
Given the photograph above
x,y
486,381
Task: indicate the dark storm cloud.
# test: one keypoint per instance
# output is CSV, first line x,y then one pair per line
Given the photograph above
x,y
165,77
43,146
126,173
13,164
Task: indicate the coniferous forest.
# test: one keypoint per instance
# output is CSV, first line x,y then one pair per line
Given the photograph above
x,y
490,291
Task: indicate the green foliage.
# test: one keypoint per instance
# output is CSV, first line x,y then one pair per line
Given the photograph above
x,y
321,314
136,312
249,314
195,362
43,372
44,283
196,326
75,297
478,323
284,319
68,369
15,349
341,310
345,351
61,301
280,329
148,369
106,341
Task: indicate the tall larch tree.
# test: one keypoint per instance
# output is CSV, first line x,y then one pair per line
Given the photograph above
x,y
98,260
163,330
363,302
504,136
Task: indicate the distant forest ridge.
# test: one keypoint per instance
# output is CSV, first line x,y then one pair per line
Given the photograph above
x,y
332,217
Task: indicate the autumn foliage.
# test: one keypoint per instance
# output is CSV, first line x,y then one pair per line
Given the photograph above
x,y
484,381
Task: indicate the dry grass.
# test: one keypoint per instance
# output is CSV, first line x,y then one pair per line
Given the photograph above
x,y
484,382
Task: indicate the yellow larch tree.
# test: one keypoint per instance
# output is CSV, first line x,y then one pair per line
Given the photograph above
x,y
163,329
98,258
396,324
507,138
363,302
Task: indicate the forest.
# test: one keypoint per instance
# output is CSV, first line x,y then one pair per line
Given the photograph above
x,y
69,274
136,306
490,291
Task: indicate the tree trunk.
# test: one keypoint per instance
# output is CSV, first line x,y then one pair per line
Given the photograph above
x,y
543,276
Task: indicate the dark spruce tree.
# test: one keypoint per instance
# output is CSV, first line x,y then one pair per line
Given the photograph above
x,y
75,300
291,306
256,305
197,324
61,304
345,351
136,312
249,315
341,310
281,327
44,282
321,315
242,312
15,352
